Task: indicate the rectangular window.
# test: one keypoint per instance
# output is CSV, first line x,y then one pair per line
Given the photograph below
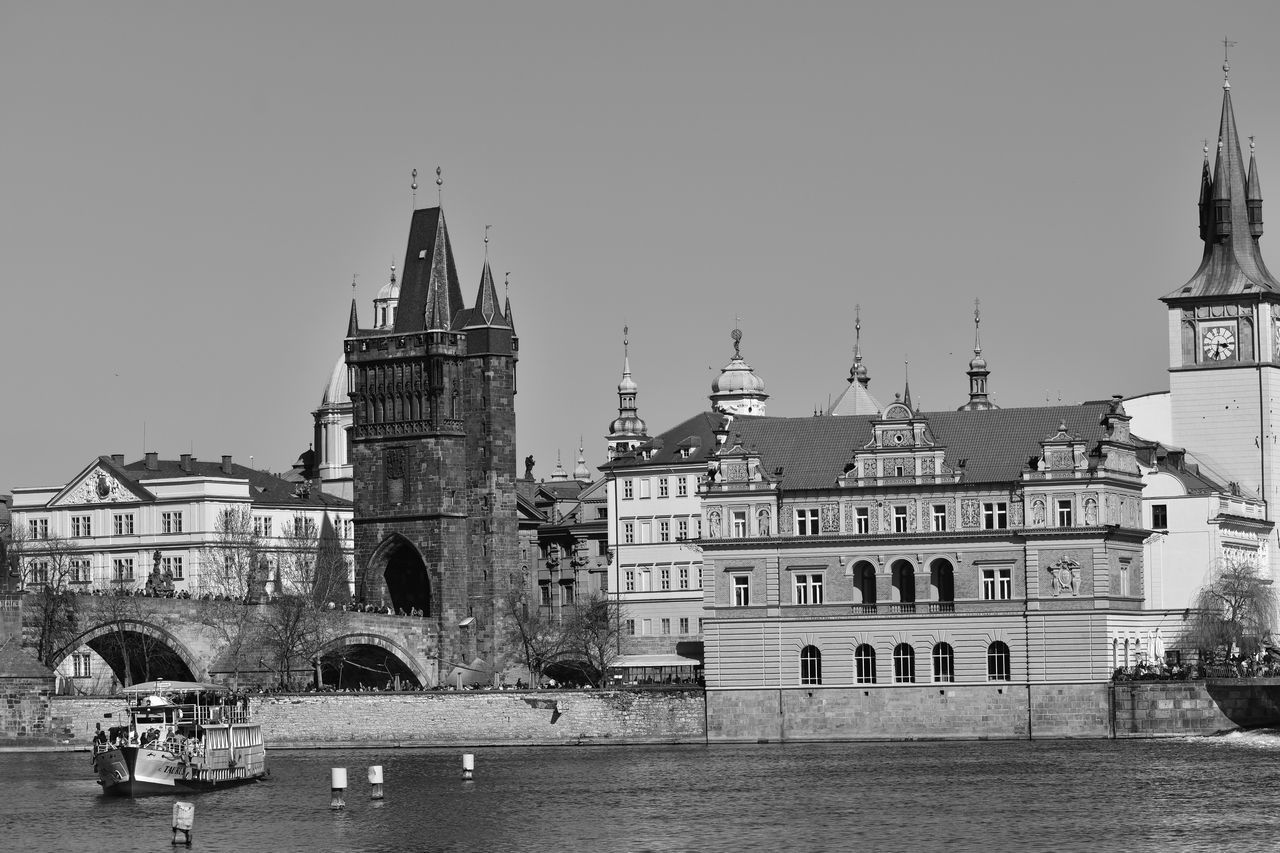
x,y
566,594
862,518
631,627
81,525
1159,516
629,532
899,519
262,526
646,531
808,589
741,590
684,625
122,569
682,529
806,522
1126,575
38,528
644,487
995,516
39,571
123,523
940,517
81,663
664,578
664,531
662,487
684,577
1064,513
997,584
544,593
739,524
666,626
682,487
628,490
173,565
80,572
171,522
630,580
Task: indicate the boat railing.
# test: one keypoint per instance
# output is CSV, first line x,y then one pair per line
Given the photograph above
x,y
215,714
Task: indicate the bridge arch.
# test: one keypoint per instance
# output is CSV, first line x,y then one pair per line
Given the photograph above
x,y
405,579
174,661
413,667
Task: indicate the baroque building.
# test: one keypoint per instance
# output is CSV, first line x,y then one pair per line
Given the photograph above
x,y
432,387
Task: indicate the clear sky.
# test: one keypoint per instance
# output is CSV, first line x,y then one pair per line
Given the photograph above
x,y
187,189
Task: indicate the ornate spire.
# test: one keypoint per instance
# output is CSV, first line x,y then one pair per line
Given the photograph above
x,y
628,429
738,390
1231,218
353,322
906,384
977,368
487,298
506,305
581,472
559,473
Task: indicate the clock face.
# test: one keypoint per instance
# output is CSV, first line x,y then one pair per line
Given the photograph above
x,y
1219,343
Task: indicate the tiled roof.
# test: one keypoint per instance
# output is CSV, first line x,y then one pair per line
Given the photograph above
x,y
265,487
668,446
416,280
996,444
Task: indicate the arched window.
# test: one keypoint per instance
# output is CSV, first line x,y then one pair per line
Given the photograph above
x,y
904,664
944,662
904,585
942,588
864,662
998,668
810,665
864,581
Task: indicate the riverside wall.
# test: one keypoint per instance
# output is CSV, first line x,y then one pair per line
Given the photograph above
x,y
900,712
481,718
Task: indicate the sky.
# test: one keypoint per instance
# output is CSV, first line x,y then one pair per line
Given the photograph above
x,y
187,190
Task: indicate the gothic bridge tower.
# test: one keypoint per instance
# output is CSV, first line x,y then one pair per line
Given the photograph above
x,y
433,450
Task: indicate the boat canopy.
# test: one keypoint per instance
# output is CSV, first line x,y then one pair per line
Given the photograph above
x,y
174,687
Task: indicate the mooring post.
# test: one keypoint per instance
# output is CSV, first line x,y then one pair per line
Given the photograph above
x,y
184,818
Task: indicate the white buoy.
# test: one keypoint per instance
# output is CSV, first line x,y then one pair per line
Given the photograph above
x,y
184,818
468,765
337,786
375,779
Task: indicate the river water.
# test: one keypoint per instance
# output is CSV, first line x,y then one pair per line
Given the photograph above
x,y
1181,794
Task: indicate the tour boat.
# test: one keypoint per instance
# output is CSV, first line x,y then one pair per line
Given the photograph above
x,y
178,737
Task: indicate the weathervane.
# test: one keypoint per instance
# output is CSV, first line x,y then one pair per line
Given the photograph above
x,y
1227,44
977,321
486,241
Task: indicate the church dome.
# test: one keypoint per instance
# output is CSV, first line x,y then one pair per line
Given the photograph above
x,y
627,385
336,391
390,290
628,425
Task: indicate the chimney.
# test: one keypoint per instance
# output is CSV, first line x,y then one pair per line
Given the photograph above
x,y
117,458
226,463
185,462
153,463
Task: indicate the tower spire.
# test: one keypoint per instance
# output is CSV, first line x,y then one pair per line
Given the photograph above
x,y
977,368
628,429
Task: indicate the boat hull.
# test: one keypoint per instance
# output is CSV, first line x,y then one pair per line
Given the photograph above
x,y
131,771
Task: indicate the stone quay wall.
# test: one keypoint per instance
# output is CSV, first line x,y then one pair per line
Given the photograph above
x,y
24,712
481,718
1175,708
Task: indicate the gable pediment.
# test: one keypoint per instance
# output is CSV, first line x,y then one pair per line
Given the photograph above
x,y
98,485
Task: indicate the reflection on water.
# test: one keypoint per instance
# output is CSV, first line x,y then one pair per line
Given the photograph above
x,y
1179,794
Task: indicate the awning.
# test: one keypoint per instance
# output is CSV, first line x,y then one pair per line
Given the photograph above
x,y
652,661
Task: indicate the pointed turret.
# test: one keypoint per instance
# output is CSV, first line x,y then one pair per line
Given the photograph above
x,y
1230,221
856,399
487,298
353,322
628,430
506,312
581,472
1253,194
429,290
978,371
1206,195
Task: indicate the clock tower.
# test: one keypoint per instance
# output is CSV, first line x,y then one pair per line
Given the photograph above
x,y
1224,328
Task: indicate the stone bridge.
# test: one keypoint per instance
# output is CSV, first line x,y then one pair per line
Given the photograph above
x,y
140,638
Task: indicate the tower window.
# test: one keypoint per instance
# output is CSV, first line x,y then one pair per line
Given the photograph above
x,y
1160,516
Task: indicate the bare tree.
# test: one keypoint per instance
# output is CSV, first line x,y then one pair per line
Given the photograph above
x,y
1235,609
46,568
229,568
311,562
593,634
293,629
527,629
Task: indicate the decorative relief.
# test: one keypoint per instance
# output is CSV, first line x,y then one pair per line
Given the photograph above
x,y
830,518
1060,460
1130,513
1015,512
785,523
869,468
907,463
734,472
1113,510
886,522
395,463
849,525
927,465
951,515
98,487
1065,575
969,517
